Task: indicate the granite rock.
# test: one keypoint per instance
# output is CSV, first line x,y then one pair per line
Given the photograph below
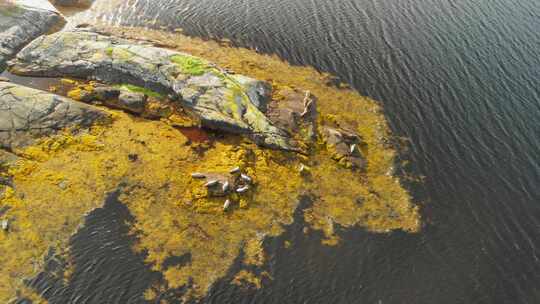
x,y
21,21
220,100
26,114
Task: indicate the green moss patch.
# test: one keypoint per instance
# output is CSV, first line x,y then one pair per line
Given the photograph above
x,y
109,51
137,89
190,65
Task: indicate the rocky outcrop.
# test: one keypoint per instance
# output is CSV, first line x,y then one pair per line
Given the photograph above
x,y
21,21
27,113
220,100
346,147
295,112
112,97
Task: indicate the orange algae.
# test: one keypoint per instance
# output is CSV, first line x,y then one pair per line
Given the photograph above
x,y
63,177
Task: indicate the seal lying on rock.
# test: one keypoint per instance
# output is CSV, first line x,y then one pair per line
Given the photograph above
x,y
222,101
27,113
295,112
346,147
21,22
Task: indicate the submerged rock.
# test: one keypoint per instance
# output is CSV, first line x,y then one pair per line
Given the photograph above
x,y
21,21
27,113
221,101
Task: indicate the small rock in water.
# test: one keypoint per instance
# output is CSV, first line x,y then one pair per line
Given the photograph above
x,y
211,183
242,189
198,175
226,205
5,225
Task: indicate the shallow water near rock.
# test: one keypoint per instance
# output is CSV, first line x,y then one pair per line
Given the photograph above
x,y
40,83
458,79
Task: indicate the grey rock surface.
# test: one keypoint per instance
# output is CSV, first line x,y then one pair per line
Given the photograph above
x,y
26,114
220,100
129,101
259,92
21,21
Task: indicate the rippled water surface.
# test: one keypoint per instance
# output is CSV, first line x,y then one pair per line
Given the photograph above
x,y
461,80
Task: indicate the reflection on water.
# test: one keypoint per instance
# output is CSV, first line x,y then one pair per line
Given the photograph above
x,y
459,79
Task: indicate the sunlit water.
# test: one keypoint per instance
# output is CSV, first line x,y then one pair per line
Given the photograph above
x,y
461,80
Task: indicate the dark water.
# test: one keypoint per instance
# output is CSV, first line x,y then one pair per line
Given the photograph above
x,y
101,253
461,79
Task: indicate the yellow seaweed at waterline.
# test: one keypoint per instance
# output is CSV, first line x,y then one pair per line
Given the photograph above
x,y
58,180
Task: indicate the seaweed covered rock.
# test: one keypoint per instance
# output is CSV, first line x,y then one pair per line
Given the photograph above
x,y
295,112
346,146
21,22
27,113
220,100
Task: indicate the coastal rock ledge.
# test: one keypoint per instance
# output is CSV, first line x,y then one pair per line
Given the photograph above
x,y
26,114
22,21
219,99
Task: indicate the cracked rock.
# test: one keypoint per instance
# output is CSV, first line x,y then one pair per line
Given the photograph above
x,y
26,114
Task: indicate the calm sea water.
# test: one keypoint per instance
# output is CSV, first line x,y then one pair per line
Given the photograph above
x,y
461,79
